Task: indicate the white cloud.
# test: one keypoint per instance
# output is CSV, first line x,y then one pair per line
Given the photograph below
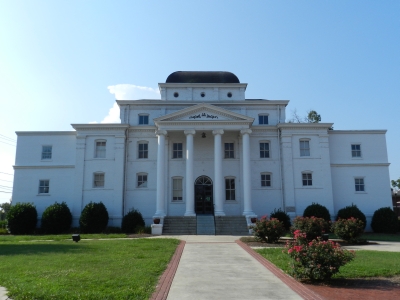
x,y
113,115
133,92
127,92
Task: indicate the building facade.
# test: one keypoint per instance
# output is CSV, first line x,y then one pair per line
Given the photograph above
x,y
203,149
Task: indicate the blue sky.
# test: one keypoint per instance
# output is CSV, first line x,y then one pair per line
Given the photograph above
x,y
60,60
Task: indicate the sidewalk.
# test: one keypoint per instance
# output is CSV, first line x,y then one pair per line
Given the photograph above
x,y
215,267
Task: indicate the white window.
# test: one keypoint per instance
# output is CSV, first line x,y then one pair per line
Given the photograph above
x,y
229,150
177,190
265,179
307,179
143,150
142,180
264,150
230,189
100,149
356,150
46,152
359,184
98,180
44,186
263,119
304,148
143,119
177,151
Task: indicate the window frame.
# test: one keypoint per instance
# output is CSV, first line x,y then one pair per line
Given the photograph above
x,y
179,189
263,150
46,188
96,149
308,180
229,189
144,178
356,151
359,184
96,180
229,153
265,179
44,153
304,154
177,151
261,119
143,119
143,152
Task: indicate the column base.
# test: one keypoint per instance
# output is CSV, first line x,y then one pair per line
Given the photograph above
x,y
190,214
248,213
219,213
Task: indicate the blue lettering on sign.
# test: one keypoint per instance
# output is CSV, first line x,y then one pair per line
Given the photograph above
x,y
203,115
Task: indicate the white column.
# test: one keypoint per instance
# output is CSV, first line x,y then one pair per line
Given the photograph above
x,y
218,180
246,172
160,212
189,173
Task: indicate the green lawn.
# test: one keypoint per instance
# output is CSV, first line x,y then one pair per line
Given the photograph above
x,y
366,263
90,269
58,237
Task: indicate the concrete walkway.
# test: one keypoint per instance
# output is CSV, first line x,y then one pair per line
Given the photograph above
x,y
215,267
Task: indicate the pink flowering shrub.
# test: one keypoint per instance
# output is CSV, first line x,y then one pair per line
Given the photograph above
x,y
268,231
313,227
348,229
316,259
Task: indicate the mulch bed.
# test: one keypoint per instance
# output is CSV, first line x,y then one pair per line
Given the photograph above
x,y
358,288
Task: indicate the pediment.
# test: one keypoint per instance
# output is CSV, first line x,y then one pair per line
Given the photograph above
x,y
203,112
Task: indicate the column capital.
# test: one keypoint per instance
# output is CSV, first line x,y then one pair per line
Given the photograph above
x,y
218,131
161,132
190,131
245,131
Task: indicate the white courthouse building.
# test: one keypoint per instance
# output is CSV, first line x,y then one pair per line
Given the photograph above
x,y
203,149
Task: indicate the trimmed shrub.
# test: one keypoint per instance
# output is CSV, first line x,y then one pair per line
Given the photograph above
x,y
56,218
313,227
283,217
132,221
94,218
268,231
348,229
316,260
384,220
351,211
318,211
22,218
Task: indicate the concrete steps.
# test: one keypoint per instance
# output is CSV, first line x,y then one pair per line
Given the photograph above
x,y
231,225
205,225
179,226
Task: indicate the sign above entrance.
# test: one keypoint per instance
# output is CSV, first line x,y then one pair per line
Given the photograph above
x,y
205,115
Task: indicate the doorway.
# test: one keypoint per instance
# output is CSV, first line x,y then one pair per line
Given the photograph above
x,y
203,195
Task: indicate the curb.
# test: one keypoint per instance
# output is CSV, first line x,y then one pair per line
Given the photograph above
x,y
289,281
165,281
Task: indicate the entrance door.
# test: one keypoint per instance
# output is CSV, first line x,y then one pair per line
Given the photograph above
x,y
203,195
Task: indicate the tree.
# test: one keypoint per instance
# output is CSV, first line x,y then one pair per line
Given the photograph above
x,y
396,184
313,117
4,209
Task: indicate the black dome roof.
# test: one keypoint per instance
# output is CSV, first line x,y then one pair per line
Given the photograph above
x,y
202,77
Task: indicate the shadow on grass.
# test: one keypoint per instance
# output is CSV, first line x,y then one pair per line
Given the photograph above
x,y
383,284
34,249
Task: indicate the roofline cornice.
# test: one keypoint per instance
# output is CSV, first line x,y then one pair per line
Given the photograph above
x,y
304,125
368,131
157,102
103,126
197,85
36,133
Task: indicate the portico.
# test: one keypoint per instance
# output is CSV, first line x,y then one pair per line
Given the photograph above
x,y
194,122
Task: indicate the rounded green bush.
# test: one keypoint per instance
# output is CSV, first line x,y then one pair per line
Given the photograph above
x,y
132,221
349,229
351,211
281,216
384,220
56,218
317,210
94,218
22,218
